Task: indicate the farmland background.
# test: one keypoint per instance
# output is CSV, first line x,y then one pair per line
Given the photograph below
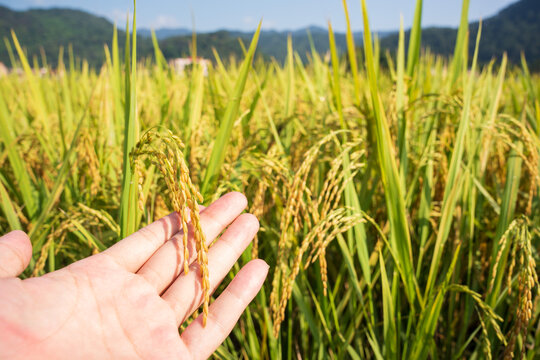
x,y
397,190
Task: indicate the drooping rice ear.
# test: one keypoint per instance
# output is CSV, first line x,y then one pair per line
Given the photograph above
x,y
164,150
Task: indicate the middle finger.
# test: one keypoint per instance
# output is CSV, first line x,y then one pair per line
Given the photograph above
x,y
221,258
167,262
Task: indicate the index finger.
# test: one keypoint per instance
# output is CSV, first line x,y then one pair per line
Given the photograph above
x,y
133,251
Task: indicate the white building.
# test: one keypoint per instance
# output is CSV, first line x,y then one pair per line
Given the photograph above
x,y
179,64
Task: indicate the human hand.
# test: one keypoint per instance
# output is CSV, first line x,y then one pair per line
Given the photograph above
x,y
128,301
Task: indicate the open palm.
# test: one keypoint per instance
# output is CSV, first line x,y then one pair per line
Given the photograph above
x,y
128,301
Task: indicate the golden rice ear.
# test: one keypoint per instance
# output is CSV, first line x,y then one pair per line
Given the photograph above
x,y
518,240
323,220
164,150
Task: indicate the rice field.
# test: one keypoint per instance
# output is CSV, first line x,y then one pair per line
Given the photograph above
x,y
397,192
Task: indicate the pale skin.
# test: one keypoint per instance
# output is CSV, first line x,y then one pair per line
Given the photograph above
x,y
129,301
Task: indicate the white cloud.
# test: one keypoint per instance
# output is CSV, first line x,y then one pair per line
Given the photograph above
x,y
161,21
119,17
268,24
251,23
164,21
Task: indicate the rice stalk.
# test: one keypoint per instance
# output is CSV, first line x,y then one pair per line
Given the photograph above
x,y
165,152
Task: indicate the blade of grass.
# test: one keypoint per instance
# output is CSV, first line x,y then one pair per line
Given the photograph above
x,y
27,192
56,191
336,79
395,201
415,39
351,51
400,103
128,206
389,324
219,149
356,235
290,94
460,49
454,174
37,96
508,206
8,209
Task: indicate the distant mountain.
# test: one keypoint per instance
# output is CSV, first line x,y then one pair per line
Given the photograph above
x,y
514,29
272,43
48,29
225,44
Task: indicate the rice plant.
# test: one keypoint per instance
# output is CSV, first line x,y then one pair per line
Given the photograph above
x,y
397,195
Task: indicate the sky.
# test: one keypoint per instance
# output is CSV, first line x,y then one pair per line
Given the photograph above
x,y
209,15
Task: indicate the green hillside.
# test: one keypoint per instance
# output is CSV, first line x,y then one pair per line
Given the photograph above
x,y
272,44
225,44
51,28
512,30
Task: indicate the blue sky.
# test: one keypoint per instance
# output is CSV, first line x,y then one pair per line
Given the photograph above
x,y
276,14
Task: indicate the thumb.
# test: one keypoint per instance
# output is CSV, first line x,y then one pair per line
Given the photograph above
x,y
15,253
